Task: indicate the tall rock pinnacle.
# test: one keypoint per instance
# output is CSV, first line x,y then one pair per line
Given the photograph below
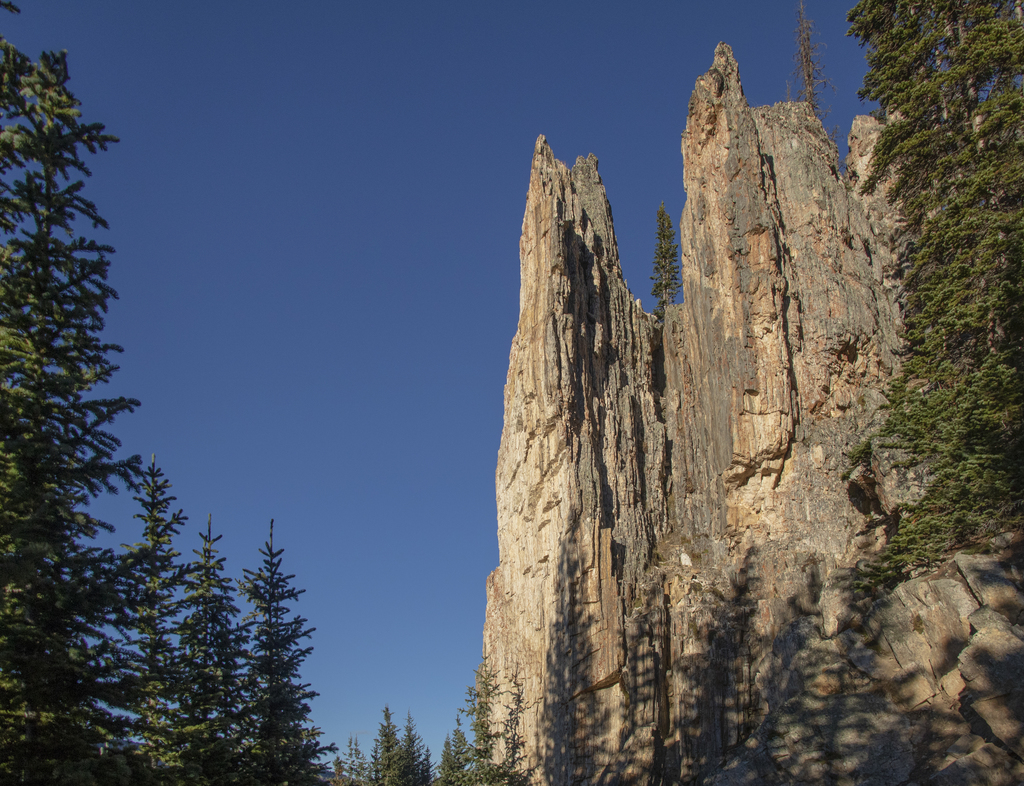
x,y
670,496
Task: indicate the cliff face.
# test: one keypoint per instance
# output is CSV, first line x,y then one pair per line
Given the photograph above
x,y
671,500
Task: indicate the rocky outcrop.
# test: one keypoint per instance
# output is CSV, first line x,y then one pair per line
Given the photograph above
x,y
676,527
924,690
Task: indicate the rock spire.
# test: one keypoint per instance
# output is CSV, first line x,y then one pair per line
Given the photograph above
x,y
671,497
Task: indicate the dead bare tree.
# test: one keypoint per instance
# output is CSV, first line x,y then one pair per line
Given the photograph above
x,y
810,76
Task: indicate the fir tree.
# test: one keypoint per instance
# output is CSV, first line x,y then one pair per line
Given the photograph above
x,y
158,579
455,759
419,770
212,645
64,681
281,747
810,77
351,768
495,757
947,76
447,764
388,766
666,266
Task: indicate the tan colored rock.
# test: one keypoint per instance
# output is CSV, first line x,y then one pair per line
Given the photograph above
x,y
670,497
991,584
578,487
924,624
988,765
1004,715
992,662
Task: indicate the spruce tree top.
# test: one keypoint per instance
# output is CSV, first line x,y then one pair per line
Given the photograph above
x,y
666,268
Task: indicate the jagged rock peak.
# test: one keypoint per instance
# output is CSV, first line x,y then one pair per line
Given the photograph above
x,y
670,497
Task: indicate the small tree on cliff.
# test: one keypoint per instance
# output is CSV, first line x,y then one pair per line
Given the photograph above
x,y
810,77
666,269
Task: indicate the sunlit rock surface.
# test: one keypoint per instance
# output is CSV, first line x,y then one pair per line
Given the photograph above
x,y
674,594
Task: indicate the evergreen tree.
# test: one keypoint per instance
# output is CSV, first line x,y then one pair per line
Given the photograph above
x,y
495,757
388,766
351,768
158,578
947,75
455,759
64,681
281,747
212,645
666,266
810,77
420,771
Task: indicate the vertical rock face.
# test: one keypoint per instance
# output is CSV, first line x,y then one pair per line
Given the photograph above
x,y
671,496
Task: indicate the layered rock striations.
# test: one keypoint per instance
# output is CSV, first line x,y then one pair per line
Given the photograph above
x,y
675,527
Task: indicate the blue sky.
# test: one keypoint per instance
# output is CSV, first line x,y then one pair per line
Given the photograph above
x,y
316,208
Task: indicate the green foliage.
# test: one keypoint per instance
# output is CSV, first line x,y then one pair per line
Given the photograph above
x,y
666,267
859,456
419,770
281,747
351,768
456,755
212,647
72,694
64,681
157,580
495,756
388,763
948,76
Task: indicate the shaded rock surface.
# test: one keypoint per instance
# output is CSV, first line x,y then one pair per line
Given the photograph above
x,y
675,595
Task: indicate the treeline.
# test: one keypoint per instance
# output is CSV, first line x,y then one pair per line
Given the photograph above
x,y
219,697
125,666
490,755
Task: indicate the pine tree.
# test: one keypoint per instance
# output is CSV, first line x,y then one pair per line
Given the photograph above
x,y
158,578
948,76
419,770
388,766
666,266
450,770
212,646
351,768
454,768
495,757
810,77
64,681
281,747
